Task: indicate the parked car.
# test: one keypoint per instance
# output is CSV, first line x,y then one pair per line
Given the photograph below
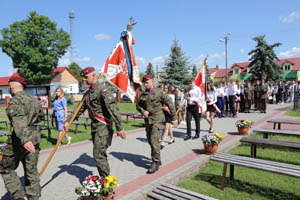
x,y
125,98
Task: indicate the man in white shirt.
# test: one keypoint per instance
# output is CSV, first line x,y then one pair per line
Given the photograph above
x,y
193,103
232,91
220,98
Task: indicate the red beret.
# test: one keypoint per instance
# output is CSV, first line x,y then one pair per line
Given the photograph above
x,y
147,77
87,70
17,79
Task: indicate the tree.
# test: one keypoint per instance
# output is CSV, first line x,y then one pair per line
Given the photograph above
x,y
149,69
176,67
262,61
76,69
208,79
194,71
34,45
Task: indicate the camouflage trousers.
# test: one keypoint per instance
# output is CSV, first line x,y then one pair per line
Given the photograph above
x,y
262,105
100,136
153,132
10,162
247,105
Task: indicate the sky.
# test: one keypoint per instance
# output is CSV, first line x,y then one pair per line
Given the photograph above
x,y
198,26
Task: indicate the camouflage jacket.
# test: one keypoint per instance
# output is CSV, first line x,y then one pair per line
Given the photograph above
x,y
24,113
153,103
100,101
249,93
263,91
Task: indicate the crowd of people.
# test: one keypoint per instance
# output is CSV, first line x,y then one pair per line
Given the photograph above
x,y
224,99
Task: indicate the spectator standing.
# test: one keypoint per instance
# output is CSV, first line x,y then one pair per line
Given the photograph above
x,y
238,97
226,100
210,112
220,98
60,112
168,128
232,90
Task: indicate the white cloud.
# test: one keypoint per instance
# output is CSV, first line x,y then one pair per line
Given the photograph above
x,y
210,59
66,61
140,63
290,18
242,51
294,52
102,36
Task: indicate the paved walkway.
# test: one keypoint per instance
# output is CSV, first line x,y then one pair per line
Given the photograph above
x,y
130,158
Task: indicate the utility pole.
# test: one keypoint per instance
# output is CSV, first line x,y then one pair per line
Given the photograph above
x,y
71,17
226,61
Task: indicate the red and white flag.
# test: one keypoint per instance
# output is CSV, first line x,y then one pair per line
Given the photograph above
x,y
200,81
122,72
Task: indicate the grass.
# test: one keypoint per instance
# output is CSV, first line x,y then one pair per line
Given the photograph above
x,y
293,113
82,133
248,183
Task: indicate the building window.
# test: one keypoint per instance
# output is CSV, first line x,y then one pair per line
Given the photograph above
x,y
236,70
286,67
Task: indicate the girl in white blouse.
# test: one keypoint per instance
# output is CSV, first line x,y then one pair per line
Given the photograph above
x,y
211,100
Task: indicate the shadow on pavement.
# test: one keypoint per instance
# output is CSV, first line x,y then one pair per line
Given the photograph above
x,y
242,186
137,160
198,151
75,170
142,139
233,133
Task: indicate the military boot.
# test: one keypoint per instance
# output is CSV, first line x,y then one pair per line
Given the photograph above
x,y
154,167
29,197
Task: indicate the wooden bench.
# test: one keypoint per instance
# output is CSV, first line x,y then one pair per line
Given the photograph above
x,y
267,131
3,133
129,115
77,123
254,163
4,122
170,192
265,142
45,127
279,122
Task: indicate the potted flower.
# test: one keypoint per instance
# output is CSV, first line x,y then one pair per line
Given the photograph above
x,y
97,188
211,142
2,146
243,126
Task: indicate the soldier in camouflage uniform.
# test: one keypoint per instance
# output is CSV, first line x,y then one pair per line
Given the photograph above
x,y
248,96
150,105
24,113
256,95
263,96
103,110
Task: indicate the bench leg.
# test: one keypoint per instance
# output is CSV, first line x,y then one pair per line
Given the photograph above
x,y
127,119
266,135
252,150
274,125
76,129
255,151
231,172
224,176
49,133
279,126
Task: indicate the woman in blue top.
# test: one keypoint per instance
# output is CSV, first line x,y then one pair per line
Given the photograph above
x,y
60,112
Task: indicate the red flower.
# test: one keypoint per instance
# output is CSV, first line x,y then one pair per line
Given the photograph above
x,y
103,181
92,178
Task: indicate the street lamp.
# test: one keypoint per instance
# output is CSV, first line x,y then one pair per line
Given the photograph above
x,y
225,41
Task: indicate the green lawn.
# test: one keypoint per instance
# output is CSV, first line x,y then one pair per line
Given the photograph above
x,y
248,183
82,133
293,113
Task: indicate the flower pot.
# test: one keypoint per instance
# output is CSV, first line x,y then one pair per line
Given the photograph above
x,y
243,130
108,197
1,156
211,149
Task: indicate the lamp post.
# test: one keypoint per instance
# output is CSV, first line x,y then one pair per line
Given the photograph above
x,y
226,62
